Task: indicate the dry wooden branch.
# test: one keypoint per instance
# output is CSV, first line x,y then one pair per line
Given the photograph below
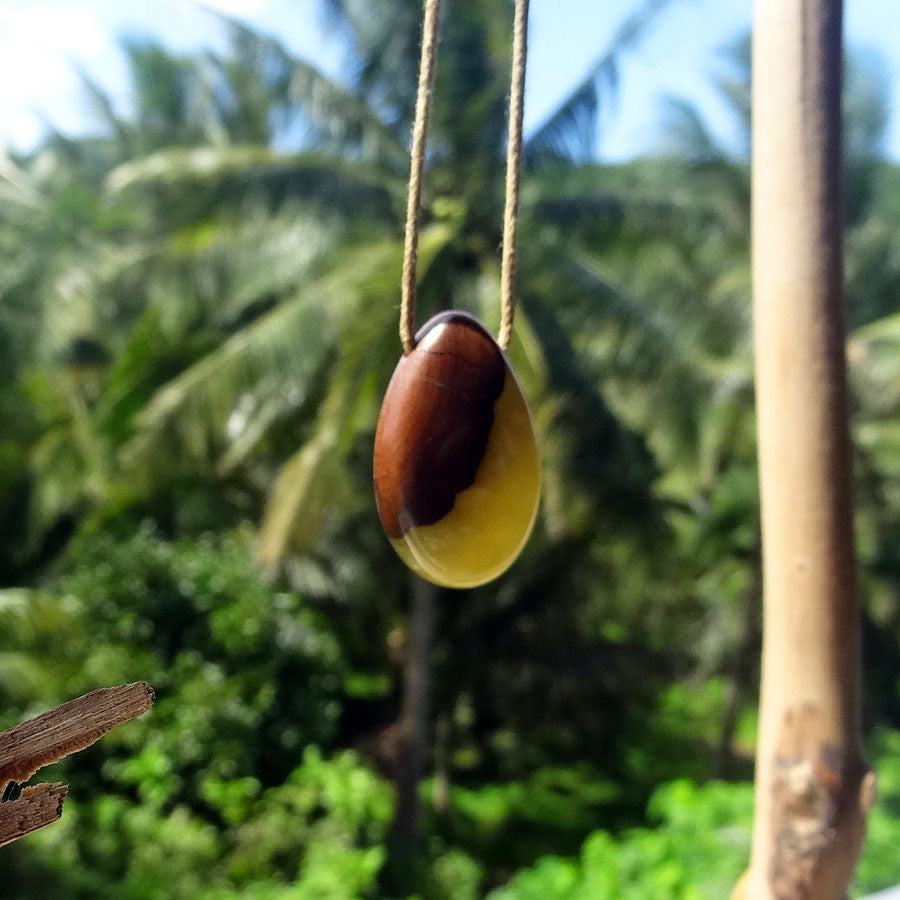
x,y
38,806
49,737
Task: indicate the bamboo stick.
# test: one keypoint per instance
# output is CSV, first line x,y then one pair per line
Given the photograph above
x,y
812,786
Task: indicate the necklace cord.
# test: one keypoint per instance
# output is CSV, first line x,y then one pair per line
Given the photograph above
x,y
427,66
424,95
513,176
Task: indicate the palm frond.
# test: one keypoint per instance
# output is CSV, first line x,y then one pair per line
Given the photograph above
x,y
383,62
688,135
689,138
269,367
168,89
650,198
655,368
570,132
272,361
339,119
225,273
102,105
366,348
17,184
303,488
173,167
212,174
344,121
607,465
655,337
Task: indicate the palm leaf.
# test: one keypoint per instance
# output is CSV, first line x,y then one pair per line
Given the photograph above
x,y
656,335
570,132
652,198
269,367
272,361
206,176
383,40
339,119
607,468
177,166
366,347
302,490
689,136
343,121
655,371
17,184
103,107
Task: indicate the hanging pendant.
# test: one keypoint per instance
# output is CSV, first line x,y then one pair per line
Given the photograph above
x,y
457,467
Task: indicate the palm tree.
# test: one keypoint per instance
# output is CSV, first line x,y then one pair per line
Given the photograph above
x,y
333,327
236,315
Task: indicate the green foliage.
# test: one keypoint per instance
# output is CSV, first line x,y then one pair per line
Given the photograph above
x,y
879,867
204,792
318,835
187,616
696,852
700,844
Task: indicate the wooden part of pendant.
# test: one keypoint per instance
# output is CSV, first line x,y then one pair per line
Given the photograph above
x,y
457,466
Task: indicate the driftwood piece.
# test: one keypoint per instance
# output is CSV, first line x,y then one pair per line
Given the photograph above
x,y
49,737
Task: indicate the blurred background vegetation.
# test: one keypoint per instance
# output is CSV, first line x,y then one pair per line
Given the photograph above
x,y
198,317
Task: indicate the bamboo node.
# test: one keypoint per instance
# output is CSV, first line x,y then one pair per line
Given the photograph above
x,y
819,792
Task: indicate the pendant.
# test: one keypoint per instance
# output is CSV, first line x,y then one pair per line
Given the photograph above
x,y
457,467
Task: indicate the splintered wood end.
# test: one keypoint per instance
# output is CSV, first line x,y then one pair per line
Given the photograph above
x,y
38,806
68,728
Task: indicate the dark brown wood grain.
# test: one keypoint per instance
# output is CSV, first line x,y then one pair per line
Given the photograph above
x,y
43,740
435,421
68,728
38,806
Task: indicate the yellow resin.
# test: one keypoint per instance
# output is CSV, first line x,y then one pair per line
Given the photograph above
x,y
491,520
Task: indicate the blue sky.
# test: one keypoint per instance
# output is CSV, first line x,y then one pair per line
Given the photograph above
x,y
41,42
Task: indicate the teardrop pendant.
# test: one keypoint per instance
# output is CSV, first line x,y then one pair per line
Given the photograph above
x,y
457,467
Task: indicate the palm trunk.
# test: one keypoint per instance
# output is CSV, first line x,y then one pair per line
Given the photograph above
x,y
412,753
440,797
812,786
